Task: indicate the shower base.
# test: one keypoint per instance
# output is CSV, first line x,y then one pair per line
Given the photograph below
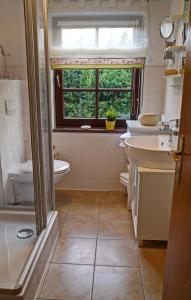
x,y
14,251
23,261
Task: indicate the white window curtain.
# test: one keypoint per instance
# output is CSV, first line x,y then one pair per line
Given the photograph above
x,y
100,33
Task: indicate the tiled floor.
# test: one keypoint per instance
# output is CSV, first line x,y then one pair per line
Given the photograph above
x,y
96,257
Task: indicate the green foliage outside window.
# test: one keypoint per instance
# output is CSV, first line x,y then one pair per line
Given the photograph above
x,y
82,104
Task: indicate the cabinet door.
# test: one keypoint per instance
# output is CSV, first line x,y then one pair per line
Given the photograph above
x,y
155,206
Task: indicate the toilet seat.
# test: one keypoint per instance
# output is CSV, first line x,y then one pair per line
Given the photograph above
x,y
60,166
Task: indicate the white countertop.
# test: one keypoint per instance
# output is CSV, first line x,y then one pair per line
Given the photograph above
x,y
135,125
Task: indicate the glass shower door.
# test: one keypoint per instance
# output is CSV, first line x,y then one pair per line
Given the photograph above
x,y
26,175
17,214
42,33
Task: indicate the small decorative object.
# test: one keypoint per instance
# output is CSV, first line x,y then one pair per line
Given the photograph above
x,y
149,119
169,72
111,116
169,54
86,127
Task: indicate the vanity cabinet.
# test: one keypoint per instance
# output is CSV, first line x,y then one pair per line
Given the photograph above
x,y
150,199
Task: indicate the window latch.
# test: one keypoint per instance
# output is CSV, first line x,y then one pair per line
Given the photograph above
x,y
58,80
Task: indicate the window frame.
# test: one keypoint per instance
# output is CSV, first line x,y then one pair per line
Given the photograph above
x,y
95,20
97,37
136,92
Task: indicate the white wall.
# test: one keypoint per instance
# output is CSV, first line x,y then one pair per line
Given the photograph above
x,y
173,99
154,85
12,37
12,134
176,7
14,129
96,160
174,87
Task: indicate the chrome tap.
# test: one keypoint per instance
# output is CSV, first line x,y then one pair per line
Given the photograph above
x,y
165,126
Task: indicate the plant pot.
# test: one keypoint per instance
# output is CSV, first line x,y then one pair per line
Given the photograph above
x,y
110,125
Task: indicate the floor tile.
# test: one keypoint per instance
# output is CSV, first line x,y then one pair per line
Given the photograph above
x,y
117,196
83,210
90,196
117,253
86,196
75,251
112,283
70,282
79,227
64,196
61,217
152,257
115,211
115,229
61,221
117,276
62,206
152,283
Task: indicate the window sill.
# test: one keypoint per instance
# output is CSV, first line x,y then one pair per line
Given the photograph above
x,y
92,130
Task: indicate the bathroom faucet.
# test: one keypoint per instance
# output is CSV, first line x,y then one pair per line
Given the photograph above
x,y
165,126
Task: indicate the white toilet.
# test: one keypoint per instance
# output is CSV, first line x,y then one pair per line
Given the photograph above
x,y
22,181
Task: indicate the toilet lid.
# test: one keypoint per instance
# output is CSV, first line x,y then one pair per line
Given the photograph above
x,y
60,166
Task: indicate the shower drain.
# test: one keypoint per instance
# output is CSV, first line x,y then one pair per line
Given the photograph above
x,y
25,233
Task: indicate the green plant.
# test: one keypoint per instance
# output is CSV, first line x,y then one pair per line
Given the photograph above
x,y
82,104
111,115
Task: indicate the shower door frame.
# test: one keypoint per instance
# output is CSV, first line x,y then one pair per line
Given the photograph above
x,y
30,9
2,195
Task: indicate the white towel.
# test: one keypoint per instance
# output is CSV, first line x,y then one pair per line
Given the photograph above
x,y
125,176
124,182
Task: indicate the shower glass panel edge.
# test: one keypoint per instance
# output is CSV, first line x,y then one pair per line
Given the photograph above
x,y
49,108
2,196
35,98
44,68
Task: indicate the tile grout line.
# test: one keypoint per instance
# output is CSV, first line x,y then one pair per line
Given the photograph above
x,y
65,217
100,265
96,249
140,273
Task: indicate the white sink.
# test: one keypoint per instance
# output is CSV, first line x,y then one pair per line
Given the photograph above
x,y
150,151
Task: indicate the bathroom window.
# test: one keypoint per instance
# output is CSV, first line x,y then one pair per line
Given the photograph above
x,y
98,38
82,96
79,32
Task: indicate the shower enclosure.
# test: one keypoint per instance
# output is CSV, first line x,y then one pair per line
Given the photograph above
x,y
27,217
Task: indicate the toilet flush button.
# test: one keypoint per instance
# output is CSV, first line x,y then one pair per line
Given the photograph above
x,y
10,106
